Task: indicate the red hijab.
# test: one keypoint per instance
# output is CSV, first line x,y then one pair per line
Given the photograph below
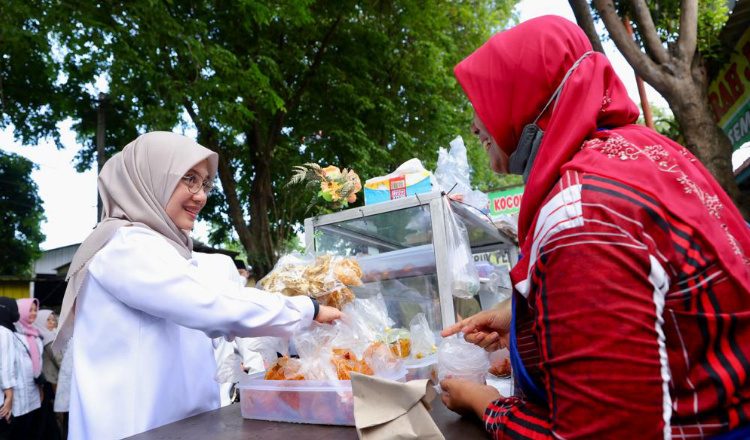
x,y
510,79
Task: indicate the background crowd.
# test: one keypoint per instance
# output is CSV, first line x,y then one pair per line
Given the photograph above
x,y
34,378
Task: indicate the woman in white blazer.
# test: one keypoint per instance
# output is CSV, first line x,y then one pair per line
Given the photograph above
x,y
140,305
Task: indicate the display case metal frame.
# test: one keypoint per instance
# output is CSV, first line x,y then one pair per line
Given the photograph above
x,y
437,205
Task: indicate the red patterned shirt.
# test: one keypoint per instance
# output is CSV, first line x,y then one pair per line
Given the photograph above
x,y
627,321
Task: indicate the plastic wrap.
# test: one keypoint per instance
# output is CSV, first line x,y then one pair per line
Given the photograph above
x,y
230,370
463,274
324,277
453,174
422,337
458,359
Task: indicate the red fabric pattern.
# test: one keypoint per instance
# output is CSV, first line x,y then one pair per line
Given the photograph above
x,y
601,337
512,76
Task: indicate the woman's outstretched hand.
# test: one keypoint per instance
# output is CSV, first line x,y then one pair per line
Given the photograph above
x,y
489,329
465,397
327,314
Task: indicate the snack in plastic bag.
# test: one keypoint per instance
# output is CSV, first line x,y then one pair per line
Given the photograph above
x,y
399,341
463,273
500,361
381,359
346,361
370,317
285,368
458,359
324,277
422,337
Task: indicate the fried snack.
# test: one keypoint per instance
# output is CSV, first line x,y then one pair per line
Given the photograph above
x,y
346,361
348,272
376,348
337,298
401,347
285,369
325,279
502,370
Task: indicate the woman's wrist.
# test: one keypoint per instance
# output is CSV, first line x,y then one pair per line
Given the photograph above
x,y
483,401
317,308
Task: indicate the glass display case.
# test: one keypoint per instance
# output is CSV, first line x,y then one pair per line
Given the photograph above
x,y
401,247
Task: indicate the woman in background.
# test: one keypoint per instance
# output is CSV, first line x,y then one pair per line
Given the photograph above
x,y
46,324
28,393
9,367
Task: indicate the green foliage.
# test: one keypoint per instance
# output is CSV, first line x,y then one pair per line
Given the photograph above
x,y
22,214
29,94
273,84
664,122
712,15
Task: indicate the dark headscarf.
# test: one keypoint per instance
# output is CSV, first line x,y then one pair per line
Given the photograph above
x,y
8,313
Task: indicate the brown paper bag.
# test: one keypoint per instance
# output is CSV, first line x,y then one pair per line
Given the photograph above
x,y
389,410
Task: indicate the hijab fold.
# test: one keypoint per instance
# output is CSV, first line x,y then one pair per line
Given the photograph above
x,y
135,186
26,327
510,78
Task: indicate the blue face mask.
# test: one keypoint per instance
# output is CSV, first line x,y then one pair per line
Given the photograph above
x,y
521,160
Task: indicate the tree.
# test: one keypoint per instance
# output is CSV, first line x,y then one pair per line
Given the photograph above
x,y
268,85
22,214
677,38
29,98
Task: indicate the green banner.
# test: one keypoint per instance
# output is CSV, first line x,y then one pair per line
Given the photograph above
x,y
506,202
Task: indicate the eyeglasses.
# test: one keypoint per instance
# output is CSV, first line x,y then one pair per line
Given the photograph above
x,y
195,183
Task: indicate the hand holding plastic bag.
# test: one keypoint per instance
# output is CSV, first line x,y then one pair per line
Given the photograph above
x,y
458,359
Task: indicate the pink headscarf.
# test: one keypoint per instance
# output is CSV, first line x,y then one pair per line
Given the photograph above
x,y
31,332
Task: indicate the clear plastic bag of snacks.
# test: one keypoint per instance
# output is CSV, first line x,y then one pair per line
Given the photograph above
x,y
324,277
422,337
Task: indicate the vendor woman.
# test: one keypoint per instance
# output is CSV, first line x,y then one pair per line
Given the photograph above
x,y
141,306
632,300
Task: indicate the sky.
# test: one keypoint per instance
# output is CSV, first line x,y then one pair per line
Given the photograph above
x,y
69,197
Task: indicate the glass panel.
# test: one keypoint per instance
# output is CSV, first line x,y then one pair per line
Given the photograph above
x,y
397,257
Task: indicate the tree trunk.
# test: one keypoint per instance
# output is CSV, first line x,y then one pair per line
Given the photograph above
x,y
261,255
586,22
679,74
703,137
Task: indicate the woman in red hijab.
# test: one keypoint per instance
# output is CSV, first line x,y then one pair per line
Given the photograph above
x,y
631,303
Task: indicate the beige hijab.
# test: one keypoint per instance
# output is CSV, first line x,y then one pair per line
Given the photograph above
x,y
135,186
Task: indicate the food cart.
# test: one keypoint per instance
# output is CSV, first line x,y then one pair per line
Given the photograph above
x,y
402,247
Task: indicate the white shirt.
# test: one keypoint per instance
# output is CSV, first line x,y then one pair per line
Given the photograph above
x,y
26,396
141,358
9,368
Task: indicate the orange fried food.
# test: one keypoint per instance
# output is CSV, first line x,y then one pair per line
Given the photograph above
x,y
337,298
348,272
285,369
346,361
501,370
373,349
401,347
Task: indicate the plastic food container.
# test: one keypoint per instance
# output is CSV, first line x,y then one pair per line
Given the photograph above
x,y
425,368
320,402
